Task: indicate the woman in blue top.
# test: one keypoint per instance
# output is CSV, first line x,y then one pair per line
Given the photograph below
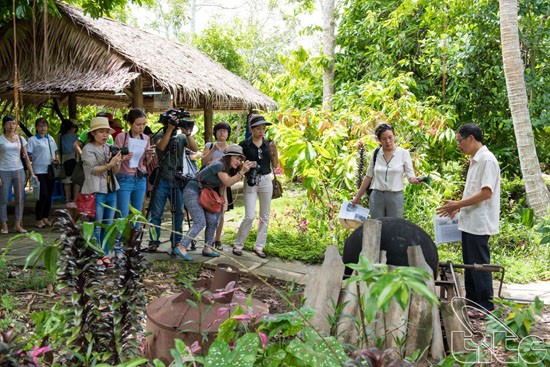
x,y
225,172
43,151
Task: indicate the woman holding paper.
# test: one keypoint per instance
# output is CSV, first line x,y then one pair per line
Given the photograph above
x,y
132,176
388,164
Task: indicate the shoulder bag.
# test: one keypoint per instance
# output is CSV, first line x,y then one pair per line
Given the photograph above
x,y
22,154
277,187
52,174
369,190
209,199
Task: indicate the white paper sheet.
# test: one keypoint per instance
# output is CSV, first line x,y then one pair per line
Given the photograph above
x,y
352,216
136,146
446,229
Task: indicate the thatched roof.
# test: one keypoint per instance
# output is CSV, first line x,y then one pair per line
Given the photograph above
x,y
98,58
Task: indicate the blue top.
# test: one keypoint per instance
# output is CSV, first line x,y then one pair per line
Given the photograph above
x,y
208,176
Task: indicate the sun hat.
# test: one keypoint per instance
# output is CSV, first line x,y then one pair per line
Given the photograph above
x,y
116,122
234,149
100,123
257,120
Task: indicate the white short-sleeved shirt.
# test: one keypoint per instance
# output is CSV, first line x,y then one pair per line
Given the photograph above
x,y
483,217
388,176
10,153
43,153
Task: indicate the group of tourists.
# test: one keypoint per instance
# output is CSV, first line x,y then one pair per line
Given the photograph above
x,y
117,173
118,166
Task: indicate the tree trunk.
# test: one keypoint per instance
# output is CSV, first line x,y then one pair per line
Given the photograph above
x,y
538,196
329,44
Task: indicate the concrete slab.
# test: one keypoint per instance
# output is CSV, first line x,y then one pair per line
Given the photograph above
x,y
293,266
528,292
244,265
285,275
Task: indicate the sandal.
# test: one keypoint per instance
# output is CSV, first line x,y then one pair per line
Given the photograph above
x,y
260,253
218,245
237,252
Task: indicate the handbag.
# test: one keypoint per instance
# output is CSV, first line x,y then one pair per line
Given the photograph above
x,y
78,173
209,199
22,154
277,188
369,190
51,172
85,204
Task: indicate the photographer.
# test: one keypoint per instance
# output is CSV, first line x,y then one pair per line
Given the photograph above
x,y
258,185
169,181
220,174
132,176
100,167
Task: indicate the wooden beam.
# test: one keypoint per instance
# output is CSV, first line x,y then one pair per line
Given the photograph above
x,y
137,92
73,114
208,118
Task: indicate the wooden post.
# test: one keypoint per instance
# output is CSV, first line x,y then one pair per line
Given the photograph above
x,y
73,114
422,317
323,289
347,330
208,118
137,92
395,322
454,321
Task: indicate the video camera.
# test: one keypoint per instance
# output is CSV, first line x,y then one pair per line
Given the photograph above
x,y
183,119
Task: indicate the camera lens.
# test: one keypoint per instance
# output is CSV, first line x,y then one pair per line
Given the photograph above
x,y
251,179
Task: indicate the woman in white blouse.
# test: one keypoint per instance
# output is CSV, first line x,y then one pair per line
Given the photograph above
x,y
385,176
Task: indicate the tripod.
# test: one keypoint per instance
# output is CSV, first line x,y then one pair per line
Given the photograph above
x,y
167,187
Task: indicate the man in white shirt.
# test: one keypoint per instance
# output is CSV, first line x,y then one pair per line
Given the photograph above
x,y
479,212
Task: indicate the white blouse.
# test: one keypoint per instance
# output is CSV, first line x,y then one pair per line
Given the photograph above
x,y
388,175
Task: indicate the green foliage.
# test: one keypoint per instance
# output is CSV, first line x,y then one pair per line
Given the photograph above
x,y
223,46
511,327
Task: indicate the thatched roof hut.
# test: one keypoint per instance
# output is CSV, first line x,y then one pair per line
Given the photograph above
x,y
104,62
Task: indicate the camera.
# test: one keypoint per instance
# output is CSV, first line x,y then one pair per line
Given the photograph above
x,y
141,174
252,174
182,119
114,150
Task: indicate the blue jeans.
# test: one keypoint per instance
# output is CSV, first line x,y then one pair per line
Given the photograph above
x,y
166,190
104,215
201,218
131,192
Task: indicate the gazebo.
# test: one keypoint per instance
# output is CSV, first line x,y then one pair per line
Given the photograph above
x,y
105,62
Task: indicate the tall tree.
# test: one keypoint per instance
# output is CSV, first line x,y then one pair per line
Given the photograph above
x,y
329,45
537,193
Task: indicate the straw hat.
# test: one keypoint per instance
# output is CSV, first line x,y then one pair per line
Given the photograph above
x,y
100,123
234,149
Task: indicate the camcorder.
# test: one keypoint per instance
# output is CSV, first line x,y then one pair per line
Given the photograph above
x,y
182,119
114,150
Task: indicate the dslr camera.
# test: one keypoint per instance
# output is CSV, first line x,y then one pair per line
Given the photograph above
x,y
182,119
251,178
114,150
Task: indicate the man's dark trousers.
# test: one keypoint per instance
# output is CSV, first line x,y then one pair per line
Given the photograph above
x,y
478,284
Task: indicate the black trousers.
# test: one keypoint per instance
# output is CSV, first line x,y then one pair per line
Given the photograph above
x,y
478,284
44,204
